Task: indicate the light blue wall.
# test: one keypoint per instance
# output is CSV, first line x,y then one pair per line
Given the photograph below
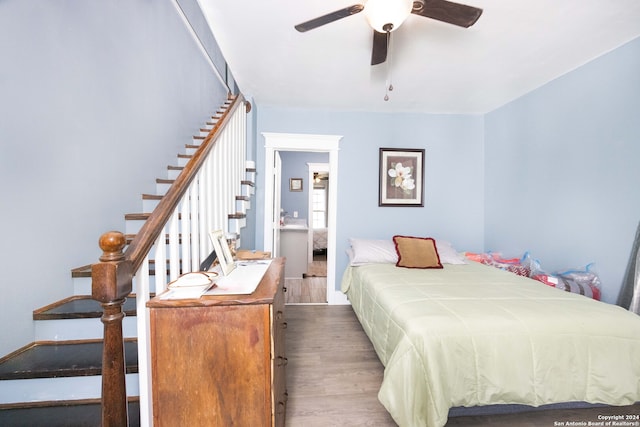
x,y
294,165
454,187
96,99
554,172
563,169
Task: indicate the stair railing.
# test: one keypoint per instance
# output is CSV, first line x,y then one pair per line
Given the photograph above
x,y
175,239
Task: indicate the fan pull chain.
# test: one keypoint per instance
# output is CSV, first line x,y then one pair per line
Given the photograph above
x,y
389,85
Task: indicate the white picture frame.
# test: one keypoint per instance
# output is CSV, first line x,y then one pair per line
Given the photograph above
x,y
225,258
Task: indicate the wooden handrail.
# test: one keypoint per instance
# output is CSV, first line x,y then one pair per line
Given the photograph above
x,y
146,237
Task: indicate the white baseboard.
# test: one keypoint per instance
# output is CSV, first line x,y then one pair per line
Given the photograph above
x,y
338,298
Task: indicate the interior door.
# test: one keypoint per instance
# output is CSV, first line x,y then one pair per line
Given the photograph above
x,y
277,196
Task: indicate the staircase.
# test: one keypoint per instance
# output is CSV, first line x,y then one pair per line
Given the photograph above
x,y
56,380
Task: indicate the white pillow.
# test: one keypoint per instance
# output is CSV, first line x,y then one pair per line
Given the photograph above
x,y
367,251
447,253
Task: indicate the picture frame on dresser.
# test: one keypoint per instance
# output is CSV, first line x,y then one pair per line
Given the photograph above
x,y
221,248
401,180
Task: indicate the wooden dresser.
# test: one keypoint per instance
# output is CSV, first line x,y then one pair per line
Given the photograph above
x,y
220,360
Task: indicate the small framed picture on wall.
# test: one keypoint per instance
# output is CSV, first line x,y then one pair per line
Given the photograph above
x,y
295,184
401,177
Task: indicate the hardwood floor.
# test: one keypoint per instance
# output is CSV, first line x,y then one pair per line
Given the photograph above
x,y
311,289
344,393
322,394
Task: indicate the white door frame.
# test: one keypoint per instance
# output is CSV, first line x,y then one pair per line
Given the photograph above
x,y
313,143
277,201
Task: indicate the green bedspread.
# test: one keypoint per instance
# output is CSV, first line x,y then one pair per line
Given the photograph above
x,y
470,335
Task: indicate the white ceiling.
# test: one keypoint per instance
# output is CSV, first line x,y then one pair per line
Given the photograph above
x,y
515,47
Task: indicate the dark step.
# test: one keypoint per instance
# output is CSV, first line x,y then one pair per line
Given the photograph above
x,y
142,216
84,271
137,216
152,196
79,307
51,359
82,413
165,181
129,238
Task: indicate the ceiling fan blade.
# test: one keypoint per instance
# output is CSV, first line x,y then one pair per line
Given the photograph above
x,y
379,49
447,11
329,17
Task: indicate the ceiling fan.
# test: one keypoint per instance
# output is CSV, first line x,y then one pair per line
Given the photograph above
x,y
386,16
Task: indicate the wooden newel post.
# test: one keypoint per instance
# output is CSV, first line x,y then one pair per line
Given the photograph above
x,y
110,284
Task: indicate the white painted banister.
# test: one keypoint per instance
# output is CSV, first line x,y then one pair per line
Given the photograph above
x,y
207,203
175,238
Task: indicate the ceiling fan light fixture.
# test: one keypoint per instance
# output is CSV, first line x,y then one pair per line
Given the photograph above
x,y
387,15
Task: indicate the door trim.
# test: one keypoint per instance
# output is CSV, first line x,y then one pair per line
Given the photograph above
x,y
310,143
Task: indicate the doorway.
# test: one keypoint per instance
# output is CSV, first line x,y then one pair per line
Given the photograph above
x,y
276,142
318,206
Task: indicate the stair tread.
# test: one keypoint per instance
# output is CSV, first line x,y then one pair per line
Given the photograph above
x,y
152,196
137,216
62,359
80,307
84,271
62,414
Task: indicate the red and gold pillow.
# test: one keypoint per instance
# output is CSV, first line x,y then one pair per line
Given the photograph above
x,y
416,252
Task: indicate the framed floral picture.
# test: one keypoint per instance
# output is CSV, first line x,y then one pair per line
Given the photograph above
x,y
401,177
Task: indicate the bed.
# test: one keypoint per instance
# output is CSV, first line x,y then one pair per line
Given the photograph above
x,y
319,239
468,335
